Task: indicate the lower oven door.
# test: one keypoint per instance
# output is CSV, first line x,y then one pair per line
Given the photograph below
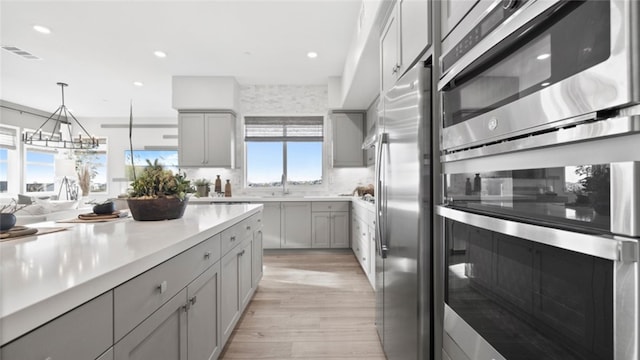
x,y
521,291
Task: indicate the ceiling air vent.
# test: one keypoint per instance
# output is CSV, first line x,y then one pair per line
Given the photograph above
x,y
20,52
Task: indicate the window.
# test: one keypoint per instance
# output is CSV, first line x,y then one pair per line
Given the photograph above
x,y
289,147
9,159
4,174
96,161
39,170
167,158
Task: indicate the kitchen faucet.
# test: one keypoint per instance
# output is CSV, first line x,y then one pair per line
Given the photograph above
x,y
285,191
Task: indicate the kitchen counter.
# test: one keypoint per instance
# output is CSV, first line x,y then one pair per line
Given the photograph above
x,y
260,199
45,276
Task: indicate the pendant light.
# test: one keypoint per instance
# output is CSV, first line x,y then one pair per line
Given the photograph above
x,y
55,140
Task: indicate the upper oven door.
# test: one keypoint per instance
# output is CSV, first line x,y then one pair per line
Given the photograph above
x,y
549,62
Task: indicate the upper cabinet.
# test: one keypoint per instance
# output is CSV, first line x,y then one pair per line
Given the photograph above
x,y
348,135
405,37
206,139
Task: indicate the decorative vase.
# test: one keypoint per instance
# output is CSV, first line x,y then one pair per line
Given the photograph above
x,y
218,185
7,221
165,208
227,189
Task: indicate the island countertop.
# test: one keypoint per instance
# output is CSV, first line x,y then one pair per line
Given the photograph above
x,y
42,277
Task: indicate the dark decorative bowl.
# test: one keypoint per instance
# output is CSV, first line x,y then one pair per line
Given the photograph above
x,y
7,221
104,208
157,209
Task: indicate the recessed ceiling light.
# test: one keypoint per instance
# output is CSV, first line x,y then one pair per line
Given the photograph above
x,y
42,29
138,83
160,54
543,56
312,54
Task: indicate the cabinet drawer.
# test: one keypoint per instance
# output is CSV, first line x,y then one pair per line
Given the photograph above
x,y
330,206
83,333
139,297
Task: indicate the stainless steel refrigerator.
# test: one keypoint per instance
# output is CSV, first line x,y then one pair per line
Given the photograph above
x,y
403,218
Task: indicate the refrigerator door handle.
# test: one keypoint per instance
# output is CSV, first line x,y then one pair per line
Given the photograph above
x,y
380,210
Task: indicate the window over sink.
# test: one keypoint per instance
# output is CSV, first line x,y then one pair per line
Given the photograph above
x,y
284,148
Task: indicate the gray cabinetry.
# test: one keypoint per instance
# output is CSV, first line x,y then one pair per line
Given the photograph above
x,y
206,139
389,53
83,333
203,333
229,293
296,225
330,225
271,227
256,257
108,355
415,34
163,335
348,135
320,229
244,271
405,37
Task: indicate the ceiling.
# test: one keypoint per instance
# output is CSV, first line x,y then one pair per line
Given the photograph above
x,y
101,47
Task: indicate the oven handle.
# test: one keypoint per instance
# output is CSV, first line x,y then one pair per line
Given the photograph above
x,y
614,248
529,11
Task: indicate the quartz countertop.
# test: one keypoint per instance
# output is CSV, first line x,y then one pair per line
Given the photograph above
x,y
42,277
260,199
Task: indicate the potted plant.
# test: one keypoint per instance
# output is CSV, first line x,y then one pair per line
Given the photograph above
x,y
7,217
158,194
202,187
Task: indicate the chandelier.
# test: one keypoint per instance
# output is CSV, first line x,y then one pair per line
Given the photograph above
x,y
54,140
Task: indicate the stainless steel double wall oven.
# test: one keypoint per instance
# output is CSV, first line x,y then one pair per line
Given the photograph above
x,y
541,180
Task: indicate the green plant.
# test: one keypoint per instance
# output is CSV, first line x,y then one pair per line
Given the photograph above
x,y
155,182
201,182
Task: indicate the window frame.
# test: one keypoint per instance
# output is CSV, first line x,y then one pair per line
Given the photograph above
x,y
285,141
14,183
27,149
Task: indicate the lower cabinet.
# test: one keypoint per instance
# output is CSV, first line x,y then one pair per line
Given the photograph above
x,y
244,272
229,293
203,333
108,355
83,333
330,230
237,286
271,227
163,335
256,257
296,225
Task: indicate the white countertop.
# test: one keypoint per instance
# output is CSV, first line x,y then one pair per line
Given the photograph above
x,y
261,199
42,277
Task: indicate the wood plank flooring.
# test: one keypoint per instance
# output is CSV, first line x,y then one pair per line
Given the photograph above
x,y
309,305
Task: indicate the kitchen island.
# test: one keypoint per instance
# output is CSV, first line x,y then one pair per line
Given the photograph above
x,y
46,276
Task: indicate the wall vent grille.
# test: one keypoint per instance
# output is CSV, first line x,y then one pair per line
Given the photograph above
x,y
20,52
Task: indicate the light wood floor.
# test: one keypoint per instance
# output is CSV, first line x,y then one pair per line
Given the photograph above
x,y
309,305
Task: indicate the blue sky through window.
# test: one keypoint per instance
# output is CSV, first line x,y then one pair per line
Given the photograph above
x,y
265,163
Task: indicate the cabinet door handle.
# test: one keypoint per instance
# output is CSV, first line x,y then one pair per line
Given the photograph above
x,y
233,238
241,253
193,300
248,227
162,287
207,254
